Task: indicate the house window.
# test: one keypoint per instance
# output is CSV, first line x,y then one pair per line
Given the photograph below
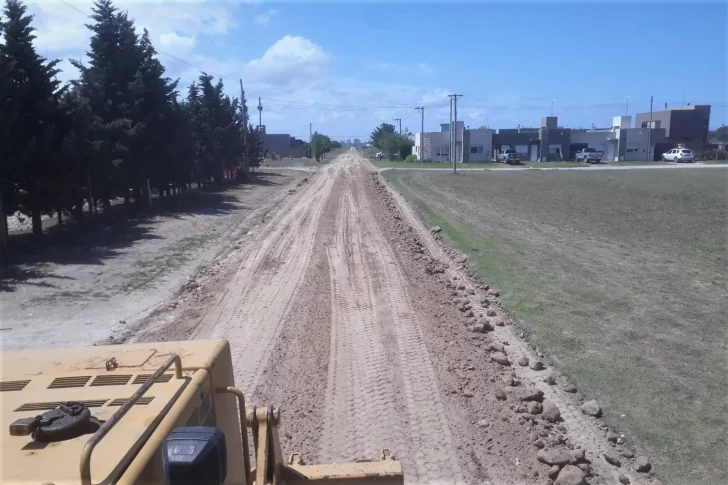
x,y
644,124
476,149
442,151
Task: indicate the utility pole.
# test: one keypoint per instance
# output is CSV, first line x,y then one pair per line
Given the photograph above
x,y
400,125
260,114
421,109
449,148
453,133
245,130
310,140
649,134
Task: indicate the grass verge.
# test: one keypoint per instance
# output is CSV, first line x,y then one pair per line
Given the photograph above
x,y
153,270
621,277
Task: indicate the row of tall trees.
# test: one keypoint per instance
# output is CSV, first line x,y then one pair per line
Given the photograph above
x,y
121,129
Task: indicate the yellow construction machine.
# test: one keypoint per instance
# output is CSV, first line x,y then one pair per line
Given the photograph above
x,y
157,413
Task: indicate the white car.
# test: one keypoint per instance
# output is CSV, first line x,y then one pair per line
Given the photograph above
x,y
678,155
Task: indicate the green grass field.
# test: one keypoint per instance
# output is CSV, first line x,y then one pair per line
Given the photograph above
x,y
403,164
621,277
491,165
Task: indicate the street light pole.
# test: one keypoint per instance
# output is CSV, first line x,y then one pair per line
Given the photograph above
x,y
649,134
421,109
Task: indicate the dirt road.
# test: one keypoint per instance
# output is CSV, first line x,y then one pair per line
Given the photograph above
x,y
346,313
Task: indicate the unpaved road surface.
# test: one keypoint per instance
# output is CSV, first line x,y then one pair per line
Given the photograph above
x,y
352,318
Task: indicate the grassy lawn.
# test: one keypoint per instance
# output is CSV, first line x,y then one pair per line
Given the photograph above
x,y
442,165
621,277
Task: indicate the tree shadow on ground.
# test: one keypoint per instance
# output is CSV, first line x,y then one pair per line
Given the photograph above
x,y
94,241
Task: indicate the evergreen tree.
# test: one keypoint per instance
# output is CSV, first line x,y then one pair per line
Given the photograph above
x,y
31,111
115,57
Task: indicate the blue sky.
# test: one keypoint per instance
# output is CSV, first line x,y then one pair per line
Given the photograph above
x,y
347,66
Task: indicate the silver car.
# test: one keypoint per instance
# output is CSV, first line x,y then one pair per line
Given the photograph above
x,y
678,155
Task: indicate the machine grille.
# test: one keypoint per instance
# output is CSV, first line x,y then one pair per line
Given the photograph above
x,y
8,386
111,380
64,382
142,378
142,401
47,406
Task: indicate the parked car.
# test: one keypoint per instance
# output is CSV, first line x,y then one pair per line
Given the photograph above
x,y
678,155
589,155
508,156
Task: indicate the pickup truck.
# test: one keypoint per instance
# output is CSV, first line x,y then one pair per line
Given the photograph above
x,y
508,156
589,155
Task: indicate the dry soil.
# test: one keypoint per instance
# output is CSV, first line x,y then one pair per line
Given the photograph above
x,y
352,318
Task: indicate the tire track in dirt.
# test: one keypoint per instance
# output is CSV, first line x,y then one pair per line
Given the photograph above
x,y
382,389
258,300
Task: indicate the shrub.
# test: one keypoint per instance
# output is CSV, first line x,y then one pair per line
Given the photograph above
x,y
711,155
411,158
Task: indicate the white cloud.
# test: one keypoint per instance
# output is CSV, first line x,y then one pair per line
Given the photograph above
x,y
292,58
177,44
265,18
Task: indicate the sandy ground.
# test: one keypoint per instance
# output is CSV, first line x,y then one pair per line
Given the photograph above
x,y
96,285
352,318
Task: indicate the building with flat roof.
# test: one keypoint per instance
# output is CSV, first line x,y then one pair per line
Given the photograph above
x,y
686,125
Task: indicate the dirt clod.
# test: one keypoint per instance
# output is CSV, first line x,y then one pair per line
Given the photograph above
x,y
554,457
611,458
569,388
551,412
591,408
536,365
523,361
491,313
642,464
623,479
534,407
554,472
496,347
493,292
435,229
500,358
528,394
570,475
500,395
613,437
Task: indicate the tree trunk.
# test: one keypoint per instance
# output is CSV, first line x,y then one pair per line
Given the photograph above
x,y
37,222
91,202
3,228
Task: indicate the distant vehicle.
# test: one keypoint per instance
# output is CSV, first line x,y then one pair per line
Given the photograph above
x,y
508,156
589,155
678,155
